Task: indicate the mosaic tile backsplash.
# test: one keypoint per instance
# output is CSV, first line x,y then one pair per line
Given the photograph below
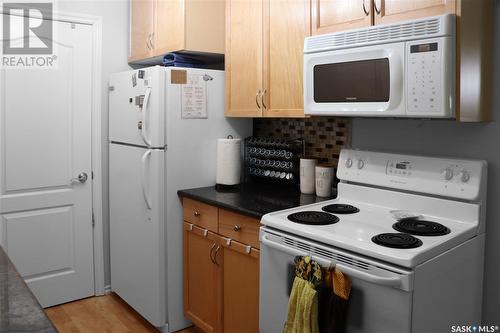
x,y
324,136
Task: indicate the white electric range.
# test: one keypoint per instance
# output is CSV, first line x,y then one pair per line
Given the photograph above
x,y
408,230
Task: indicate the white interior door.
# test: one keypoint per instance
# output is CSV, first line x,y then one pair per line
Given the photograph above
x,y
45,141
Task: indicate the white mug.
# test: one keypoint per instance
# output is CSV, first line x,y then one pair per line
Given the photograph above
x,y
307,175
324,179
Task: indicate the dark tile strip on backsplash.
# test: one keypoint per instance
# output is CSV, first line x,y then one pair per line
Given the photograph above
x,y
324,136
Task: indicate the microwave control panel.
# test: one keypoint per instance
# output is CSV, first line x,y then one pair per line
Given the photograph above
x,y
424,72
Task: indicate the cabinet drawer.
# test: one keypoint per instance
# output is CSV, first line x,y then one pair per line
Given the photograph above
x,y
200,214
241,228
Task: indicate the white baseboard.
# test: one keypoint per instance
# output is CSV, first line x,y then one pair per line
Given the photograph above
x,y
107,290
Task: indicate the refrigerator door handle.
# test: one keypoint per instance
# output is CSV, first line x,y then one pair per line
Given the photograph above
x,y
145,178
144,110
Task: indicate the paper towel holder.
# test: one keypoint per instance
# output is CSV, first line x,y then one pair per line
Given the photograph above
x,y
225,188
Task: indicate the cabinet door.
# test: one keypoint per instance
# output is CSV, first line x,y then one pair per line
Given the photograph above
x,y
169,22
244,44
387,11
240,289
201,279
142,27
287,24
337,15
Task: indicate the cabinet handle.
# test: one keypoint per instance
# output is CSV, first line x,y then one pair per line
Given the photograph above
x,y
263,98
196,213
215,255
257,98
236,228
377,10
151,40
147,43
211,252
367,12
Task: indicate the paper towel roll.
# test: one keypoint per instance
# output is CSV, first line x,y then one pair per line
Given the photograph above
x,y
228,161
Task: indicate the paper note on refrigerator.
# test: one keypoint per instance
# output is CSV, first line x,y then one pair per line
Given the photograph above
x,y
194,98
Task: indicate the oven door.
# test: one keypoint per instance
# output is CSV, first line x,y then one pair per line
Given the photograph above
x,y
381,296
362,81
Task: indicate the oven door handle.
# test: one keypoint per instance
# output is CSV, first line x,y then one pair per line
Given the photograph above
x,y
391,281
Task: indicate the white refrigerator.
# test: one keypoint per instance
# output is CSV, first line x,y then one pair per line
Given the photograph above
x,y
163,126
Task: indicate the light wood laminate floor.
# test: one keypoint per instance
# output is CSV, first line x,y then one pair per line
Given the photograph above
x,y
101,314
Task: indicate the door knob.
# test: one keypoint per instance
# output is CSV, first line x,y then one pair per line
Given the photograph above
x,y
82,178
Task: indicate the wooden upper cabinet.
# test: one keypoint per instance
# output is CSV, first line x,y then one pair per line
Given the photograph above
x,y
337,15
167,36
388,11
244,53
288,23
162,26
141,32
264,57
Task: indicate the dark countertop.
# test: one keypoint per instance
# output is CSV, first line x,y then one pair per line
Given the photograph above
x,y
20,312
252,199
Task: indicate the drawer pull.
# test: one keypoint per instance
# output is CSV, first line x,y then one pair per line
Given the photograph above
x,y
196,213
215,255
237,228
211,254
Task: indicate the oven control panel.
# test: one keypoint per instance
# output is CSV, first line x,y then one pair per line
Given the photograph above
x,y
399,168
462,179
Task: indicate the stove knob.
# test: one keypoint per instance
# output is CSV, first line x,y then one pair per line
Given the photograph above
x,y
447,174
348,163
464,176
361,164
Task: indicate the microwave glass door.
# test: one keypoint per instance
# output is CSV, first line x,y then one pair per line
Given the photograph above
x,y
352,81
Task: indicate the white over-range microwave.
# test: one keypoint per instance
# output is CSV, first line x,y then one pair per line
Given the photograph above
x,y
396,70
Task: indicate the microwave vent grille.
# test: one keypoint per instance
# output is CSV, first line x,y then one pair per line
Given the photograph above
x,y
409,30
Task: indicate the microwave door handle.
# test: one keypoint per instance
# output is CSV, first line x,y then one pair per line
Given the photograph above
x,y
392,281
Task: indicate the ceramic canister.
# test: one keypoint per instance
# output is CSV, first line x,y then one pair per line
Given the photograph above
x,y
325,173
307,175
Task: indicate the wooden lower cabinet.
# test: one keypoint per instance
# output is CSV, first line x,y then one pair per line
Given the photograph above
x,y
240,288
221,281
201,279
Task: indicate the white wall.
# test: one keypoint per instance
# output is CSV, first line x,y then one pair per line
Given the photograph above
x,y
480,141
115,35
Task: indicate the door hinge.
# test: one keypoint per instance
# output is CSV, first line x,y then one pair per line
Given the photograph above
x,y
111,88
93,220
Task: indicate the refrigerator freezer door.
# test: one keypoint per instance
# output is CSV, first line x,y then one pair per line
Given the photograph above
x,y
136,100
137,229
